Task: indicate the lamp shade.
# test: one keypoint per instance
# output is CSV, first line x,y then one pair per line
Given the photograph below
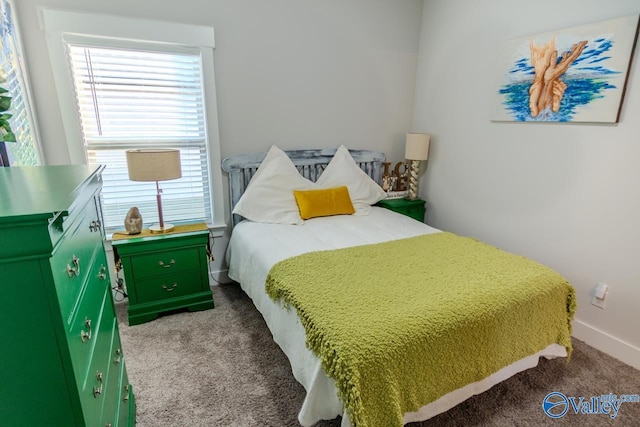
x,y
153,164
417,146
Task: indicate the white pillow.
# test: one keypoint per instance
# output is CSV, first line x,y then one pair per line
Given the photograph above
x,y
269,195
343,170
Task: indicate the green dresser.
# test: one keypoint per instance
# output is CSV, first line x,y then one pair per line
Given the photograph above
x,y
165,272
61,362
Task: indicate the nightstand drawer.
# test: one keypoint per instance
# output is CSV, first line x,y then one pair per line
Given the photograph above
x,y
415,212
412,208
165,262
168,286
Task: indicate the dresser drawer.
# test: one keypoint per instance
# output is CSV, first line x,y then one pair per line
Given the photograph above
x,y
157,263
111,392
60,223
126,400
96,282
168,286
94,390
83,336
122,393
73,258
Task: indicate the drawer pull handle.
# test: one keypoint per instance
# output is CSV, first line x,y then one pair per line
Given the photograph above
x,y
169,289
98,390
75,270
86,335
126,393
103,273
171,263
116,359
95,226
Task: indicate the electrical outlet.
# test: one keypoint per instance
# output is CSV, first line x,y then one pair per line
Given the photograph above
x,y
599,295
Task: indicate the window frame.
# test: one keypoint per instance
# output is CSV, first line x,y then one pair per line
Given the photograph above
x,y
133,32
22,76
186,199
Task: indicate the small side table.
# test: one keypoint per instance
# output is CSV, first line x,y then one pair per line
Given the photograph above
x,y
164,272
412,208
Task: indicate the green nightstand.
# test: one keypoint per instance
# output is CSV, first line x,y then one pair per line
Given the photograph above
x,y
166,271
412,208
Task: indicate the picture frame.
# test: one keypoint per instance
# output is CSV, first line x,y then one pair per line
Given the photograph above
x,y
576,74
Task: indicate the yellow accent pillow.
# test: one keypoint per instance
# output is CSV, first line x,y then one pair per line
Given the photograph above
x,y
325,202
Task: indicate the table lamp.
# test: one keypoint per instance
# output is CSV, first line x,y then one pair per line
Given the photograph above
x,y
155,165
416,150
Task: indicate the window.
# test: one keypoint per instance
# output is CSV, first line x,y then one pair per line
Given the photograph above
x,y
25,151
133,98
126,83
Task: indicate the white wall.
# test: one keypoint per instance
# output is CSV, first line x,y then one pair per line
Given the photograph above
x,y
566,195
297,73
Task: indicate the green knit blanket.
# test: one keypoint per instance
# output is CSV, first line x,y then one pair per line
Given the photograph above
x,y
399,324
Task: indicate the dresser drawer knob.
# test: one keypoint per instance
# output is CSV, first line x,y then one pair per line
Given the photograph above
x,y
171,263
103,273
75,270
126,393
98,390
116,359
86,335
169,289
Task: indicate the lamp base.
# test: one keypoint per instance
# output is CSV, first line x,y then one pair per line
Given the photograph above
x,y
158,229
414,169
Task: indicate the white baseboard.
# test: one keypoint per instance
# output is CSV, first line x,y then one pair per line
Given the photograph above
x,y
219,277
606,343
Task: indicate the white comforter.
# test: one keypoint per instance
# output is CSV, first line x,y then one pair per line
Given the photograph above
x,y
255,247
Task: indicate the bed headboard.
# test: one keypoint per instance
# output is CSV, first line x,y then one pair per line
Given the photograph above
x,y
310,163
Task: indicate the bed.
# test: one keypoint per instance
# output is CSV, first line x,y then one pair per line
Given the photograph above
x,y
260,252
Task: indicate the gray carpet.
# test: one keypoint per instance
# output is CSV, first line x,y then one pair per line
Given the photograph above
x,y
220,367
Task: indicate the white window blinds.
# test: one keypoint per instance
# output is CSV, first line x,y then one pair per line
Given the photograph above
x,y
143,98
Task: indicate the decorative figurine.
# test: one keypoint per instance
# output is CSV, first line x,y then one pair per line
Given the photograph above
x,y
389,183
396,180
133,221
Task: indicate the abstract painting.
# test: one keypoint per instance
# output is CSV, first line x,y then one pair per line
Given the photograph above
x,y
573,75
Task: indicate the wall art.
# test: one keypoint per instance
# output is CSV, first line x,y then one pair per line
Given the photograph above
x,y
576,74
